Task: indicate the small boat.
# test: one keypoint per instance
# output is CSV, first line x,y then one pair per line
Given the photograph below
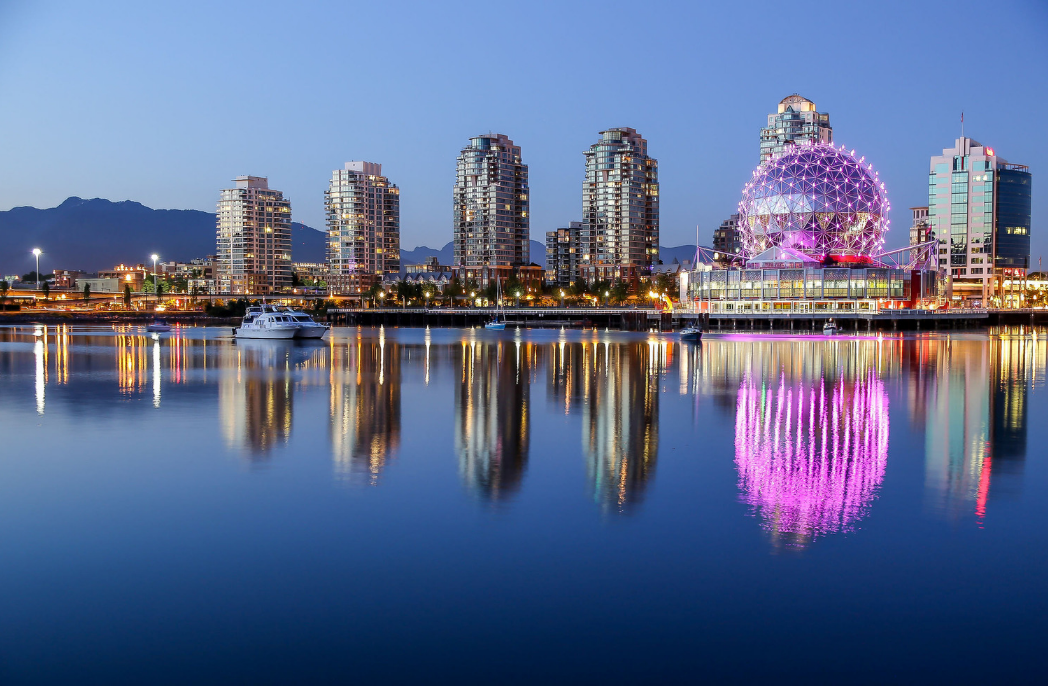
x,y
158,326
691,333
261,322
497,323
830,328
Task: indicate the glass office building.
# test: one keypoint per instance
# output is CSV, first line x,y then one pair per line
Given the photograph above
x,y
979,209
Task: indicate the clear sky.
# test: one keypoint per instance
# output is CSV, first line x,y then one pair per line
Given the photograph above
x,y
166,102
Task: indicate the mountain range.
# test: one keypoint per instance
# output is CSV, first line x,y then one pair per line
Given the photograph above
x,y
89,235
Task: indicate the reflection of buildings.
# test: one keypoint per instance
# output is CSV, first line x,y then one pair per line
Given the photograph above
x,y
365,407
811,453
492,415
615,387
977,417
620,419
255,395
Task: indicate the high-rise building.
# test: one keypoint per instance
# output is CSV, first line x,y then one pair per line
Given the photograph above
x,y
921,229
562,254
620,208
796,121
979,208
491,207
254,238
363,224
727,239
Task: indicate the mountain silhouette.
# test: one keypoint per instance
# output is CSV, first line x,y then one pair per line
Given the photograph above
x,y
94,234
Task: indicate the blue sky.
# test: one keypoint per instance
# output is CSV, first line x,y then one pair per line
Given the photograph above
x,y
164,103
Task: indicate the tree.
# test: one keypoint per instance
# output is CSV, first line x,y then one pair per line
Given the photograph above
x,y
665,283
127,296
3,293
620,291
87,291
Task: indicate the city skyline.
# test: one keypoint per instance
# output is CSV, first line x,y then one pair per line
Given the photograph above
x,y
417,144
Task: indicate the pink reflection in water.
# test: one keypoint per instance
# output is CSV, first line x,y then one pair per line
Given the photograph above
x,y
810,455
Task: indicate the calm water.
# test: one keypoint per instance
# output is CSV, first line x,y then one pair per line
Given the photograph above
x,y
410,505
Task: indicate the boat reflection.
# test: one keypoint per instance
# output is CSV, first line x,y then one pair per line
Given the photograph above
x,y
256,395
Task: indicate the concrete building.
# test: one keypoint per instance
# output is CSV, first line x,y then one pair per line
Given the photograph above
x,y
921,229
795,121
620,208
492,226
563,250
979,208
363,223
253,238
134,276
727,239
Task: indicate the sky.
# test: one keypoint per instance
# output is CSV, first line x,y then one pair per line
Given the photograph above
x,y
164,103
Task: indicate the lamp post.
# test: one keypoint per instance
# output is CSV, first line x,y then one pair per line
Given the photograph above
x,y
156,291
36,252
606,294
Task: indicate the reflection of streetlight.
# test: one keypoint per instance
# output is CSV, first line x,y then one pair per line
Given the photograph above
x,y
36,252
155,289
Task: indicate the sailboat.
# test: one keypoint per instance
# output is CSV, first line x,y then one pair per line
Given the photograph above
x,y
498,322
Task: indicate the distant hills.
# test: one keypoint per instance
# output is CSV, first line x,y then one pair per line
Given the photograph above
x,y
96,234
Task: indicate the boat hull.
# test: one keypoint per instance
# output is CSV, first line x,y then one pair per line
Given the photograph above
x,y
267,334
495,326
311,331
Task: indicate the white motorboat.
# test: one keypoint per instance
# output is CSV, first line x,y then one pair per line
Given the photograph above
x,y
307,326
262,322
158,326
830,328
691,333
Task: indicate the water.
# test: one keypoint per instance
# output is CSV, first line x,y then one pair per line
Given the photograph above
x,y
410,505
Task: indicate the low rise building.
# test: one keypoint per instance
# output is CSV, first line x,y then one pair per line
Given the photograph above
x,y
134,276
563,254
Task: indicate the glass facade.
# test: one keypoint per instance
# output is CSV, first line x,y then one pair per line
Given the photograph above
x,y
985,203
831,283
1013,219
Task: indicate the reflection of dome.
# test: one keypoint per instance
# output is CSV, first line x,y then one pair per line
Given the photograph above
x,y
818,199
811,456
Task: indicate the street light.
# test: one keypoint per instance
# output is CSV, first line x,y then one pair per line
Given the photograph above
x,y
156,290
36,252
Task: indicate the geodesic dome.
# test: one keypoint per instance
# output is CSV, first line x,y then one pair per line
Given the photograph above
x,y
817,199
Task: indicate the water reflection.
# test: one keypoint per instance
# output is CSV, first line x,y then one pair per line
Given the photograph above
x,y
977,423
811,453
256,395
493,415
811,415
364,407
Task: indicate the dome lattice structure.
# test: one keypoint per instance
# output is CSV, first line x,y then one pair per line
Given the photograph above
x,y
817,199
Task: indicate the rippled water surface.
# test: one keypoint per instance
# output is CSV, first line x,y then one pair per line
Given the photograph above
x,y
409,505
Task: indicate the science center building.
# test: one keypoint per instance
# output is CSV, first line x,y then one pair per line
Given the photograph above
x,y
812,222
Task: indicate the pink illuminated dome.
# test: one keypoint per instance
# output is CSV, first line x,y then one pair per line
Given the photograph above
x,y
818,199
